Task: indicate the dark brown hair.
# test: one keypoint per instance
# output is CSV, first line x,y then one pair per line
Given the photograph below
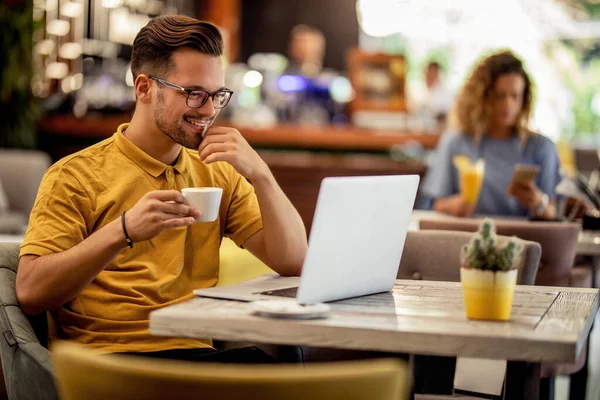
x,y
470,111
156,42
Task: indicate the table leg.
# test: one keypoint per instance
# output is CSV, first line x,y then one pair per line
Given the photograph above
x,y
591,262
594,261
411,365
522,381
547,388
578,385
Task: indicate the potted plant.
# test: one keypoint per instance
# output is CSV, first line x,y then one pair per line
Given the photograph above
x,y
489,274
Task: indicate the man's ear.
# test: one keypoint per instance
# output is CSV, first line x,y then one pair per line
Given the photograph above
x,y
142,87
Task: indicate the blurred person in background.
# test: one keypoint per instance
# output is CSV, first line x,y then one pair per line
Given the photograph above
x,y
433,99
306,51
307,97
490,122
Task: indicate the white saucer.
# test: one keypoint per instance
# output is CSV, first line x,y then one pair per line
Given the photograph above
x,y
289,309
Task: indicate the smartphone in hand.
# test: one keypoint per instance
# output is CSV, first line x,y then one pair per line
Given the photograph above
x,y
524,173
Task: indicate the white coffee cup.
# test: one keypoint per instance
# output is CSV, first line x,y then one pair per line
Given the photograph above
x,y
205,199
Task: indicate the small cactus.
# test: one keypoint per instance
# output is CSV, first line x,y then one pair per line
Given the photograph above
x,y
482,251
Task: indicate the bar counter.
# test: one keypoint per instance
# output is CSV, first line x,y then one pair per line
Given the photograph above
x,y
289,136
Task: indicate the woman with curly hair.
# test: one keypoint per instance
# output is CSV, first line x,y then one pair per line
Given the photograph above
x,y
490,122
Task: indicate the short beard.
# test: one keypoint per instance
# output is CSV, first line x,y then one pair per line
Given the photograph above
x,y
171,129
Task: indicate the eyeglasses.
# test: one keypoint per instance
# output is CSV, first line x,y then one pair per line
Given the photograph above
x,y
196,98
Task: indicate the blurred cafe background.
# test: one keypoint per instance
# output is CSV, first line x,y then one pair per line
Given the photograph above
x,y
322,87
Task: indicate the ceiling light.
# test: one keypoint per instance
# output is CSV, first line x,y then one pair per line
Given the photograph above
x,y
112,3
70,51
45,47
57,70
58,27
71,9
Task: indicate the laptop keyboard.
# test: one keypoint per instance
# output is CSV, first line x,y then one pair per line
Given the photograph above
x,y
287,292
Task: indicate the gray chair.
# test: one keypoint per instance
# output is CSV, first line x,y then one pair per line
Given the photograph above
x,y
25,359
21,172
557,239
435,256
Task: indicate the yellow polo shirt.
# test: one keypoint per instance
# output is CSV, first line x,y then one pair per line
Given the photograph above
x,y
83,192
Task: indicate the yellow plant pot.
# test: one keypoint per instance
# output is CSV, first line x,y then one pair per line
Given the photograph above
x,y
488,295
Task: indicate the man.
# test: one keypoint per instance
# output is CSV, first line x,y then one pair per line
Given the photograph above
x,y
111,238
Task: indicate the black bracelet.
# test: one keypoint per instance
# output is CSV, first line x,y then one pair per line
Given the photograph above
x,y
129,241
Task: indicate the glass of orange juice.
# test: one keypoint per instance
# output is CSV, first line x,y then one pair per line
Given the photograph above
x,y
470,177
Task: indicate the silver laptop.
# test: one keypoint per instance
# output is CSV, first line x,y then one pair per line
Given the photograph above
x,y
356,242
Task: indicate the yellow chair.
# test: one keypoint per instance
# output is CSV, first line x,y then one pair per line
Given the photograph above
x,y
82,374
238,265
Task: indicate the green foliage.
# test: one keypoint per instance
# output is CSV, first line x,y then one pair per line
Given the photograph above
x,y
590,8
17,104
483,252
585,84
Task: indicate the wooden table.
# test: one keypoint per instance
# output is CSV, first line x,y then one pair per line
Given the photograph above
x,y
417,317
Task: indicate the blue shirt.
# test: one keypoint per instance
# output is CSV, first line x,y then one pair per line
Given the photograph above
x,y
501,156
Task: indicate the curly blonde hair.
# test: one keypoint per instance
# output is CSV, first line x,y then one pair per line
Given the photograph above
x,y
469,114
